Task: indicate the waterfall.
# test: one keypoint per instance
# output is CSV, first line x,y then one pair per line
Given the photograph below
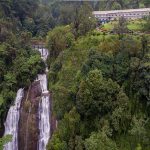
x,y
44,53
44,107
11,124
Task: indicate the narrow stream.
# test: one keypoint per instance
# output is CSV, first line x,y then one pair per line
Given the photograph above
x,y
44,107
11,124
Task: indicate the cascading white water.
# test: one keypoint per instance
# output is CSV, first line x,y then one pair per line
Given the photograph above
x,y
44,53
44,114
44,107
11,124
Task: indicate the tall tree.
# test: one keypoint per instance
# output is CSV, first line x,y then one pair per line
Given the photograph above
x,y
84,21
97,95
121,27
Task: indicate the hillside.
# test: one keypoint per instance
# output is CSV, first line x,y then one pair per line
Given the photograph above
x,y
86,86
85,79
133,25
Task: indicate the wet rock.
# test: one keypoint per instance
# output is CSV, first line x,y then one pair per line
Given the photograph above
x,y
28,124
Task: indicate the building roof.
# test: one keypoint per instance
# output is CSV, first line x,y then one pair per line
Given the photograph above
x,y
122,11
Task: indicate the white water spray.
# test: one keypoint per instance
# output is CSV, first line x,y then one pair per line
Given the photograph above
x,y
11,124
44,107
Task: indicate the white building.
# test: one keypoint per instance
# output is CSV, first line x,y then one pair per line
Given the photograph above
x,y
128,14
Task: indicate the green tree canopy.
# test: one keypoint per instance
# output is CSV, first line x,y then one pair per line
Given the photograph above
x,y
100,141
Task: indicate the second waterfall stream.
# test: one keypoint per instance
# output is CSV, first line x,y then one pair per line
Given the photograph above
x,y
44,107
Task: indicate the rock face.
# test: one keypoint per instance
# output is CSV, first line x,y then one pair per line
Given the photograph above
x,y
28,124
2,128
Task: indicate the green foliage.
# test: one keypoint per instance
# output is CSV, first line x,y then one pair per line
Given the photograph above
x,y
62,100
146,26
139,147
100,141
42,21
57,144
64,138
99,82
83,20
19,69
115,67
121,27
138,131
121,116
59,39
105,79
99,61
19,63
132,25
97,95
144,75
5,140
146,3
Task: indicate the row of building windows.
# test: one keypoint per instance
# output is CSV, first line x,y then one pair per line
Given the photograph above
x,y
123,14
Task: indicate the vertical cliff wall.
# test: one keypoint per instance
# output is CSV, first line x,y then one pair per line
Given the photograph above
x,y
28,125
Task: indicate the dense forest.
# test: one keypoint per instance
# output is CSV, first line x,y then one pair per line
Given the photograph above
x,y
100,82
16,55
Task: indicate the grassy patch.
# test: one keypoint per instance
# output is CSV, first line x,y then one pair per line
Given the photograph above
x,y
135,25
